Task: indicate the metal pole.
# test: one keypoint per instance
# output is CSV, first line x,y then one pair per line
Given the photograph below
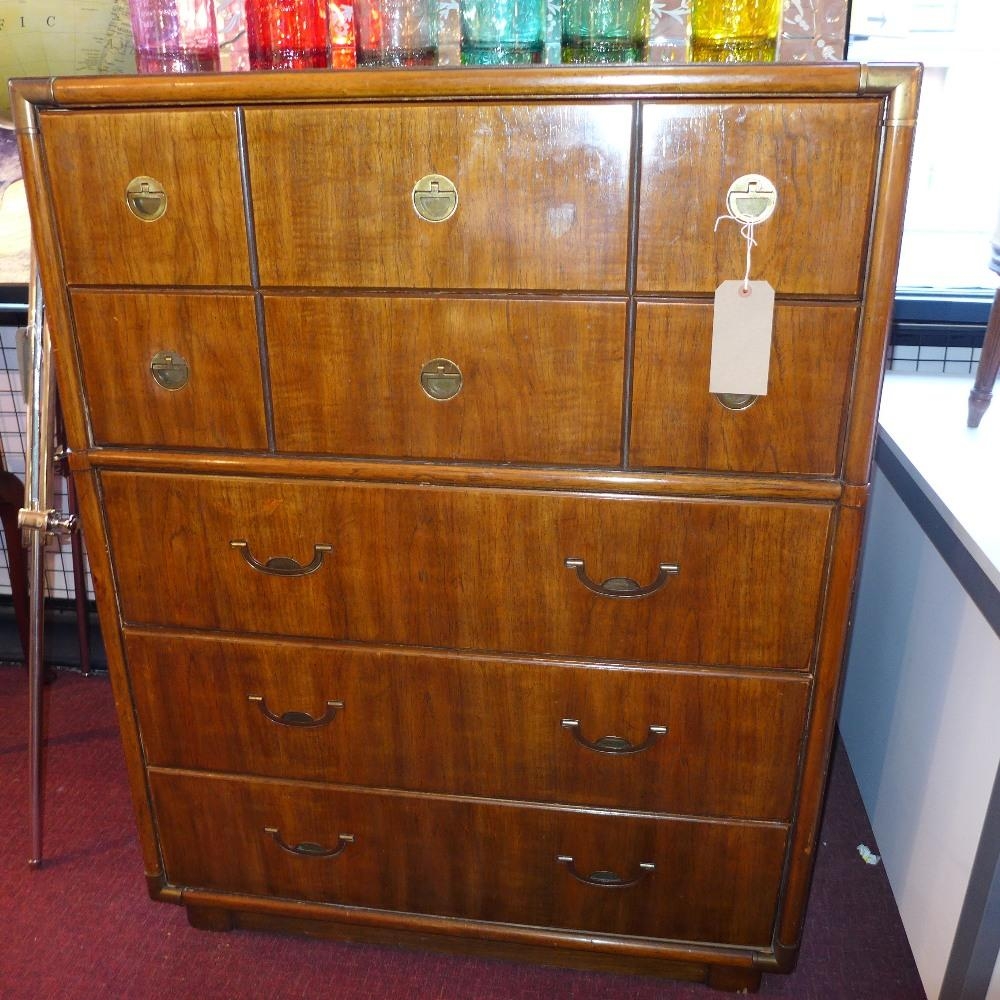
x,y
38,520
33,482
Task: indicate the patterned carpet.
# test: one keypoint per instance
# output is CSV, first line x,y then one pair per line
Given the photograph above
x,y
83,926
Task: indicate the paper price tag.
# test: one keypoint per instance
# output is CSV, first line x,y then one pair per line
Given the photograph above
x,y
741,337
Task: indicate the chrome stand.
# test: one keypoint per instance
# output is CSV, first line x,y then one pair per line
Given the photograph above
x,y
38,520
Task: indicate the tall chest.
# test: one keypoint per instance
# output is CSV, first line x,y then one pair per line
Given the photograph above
x,y
442,596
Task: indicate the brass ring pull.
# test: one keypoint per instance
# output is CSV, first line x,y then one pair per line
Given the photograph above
x,y
622,586
307,849
606,879
283,565
146,198
615,745
299,720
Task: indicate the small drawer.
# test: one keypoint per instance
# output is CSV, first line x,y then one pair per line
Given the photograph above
x,y
448,379
538,195
710,582
171,370
465,858
796,428
112,172
821,158
625,737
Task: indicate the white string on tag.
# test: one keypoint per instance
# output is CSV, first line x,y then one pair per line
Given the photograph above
x,y
746,231
750,200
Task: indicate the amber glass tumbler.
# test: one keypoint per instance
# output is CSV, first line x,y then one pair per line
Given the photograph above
x,y
729,31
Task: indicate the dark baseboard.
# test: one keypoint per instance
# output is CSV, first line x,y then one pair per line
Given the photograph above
x,y
62,648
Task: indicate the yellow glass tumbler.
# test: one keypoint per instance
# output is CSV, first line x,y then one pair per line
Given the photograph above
x,y
729,31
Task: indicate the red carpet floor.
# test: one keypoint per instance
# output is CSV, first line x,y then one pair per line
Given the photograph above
x,y
83,926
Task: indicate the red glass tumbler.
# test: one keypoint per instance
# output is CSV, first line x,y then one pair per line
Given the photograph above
x,y
287,34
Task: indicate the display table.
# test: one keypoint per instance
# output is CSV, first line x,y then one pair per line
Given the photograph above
x,y
923,684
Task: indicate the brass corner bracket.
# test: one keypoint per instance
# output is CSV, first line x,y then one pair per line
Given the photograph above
x,y
901,83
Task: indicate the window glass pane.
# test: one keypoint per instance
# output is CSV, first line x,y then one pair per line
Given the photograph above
x,y
954,202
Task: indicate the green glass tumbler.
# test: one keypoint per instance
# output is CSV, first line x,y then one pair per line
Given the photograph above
x,y
605,31
502,32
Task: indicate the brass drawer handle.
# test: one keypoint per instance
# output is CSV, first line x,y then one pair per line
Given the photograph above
x,y
307,849
616,745
283,565
169,370
435,198
622,586
146,198
300,720
606,879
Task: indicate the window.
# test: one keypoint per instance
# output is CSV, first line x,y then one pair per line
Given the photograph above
x,y
954,201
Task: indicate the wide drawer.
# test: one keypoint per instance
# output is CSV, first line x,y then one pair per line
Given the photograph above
x,y
541,194
819,155
714,582
466,858
631,738
795,428
136,347
448,379
190,157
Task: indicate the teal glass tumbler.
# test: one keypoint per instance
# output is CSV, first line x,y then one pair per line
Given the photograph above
x,y
605,31
502,32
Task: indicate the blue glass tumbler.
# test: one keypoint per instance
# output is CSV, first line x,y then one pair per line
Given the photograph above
x,y
502,32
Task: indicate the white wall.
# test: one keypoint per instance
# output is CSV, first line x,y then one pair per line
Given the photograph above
x,y
920,722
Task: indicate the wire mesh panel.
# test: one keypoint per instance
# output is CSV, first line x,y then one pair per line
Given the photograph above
x,y
59,579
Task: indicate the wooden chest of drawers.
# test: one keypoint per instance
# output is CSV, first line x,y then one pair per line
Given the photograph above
x,y
444,602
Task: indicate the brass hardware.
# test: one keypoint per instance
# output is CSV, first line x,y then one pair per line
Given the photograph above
x,y
283,565
606,879
622,586
736,400
618,746
751,198
170,370
146,198
441,379
435,198
307,849
900,83
299,720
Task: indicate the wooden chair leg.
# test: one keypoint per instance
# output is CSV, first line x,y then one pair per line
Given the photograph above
x,y
989,364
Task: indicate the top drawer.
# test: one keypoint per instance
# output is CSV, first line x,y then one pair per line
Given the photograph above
x,y
714,582
820,156
200,238
542,196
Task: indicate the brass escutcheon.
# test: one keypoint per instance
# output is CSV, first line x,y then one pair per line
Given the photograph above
x,y
170,370
441,379
751,198
146,198
435,198
736,400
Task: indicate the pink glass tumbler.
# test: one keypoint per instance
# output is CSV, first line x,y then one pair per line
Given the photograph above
x,y
287,34
174,36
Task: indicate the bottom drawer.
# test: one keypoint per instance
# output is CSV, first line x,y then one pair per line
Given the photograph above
x,y
483,860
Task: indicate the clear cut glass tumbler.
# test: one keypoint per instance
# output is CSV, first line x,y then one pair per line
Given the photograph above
x,y
396,32
287,34
502,32
605,31
174,36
